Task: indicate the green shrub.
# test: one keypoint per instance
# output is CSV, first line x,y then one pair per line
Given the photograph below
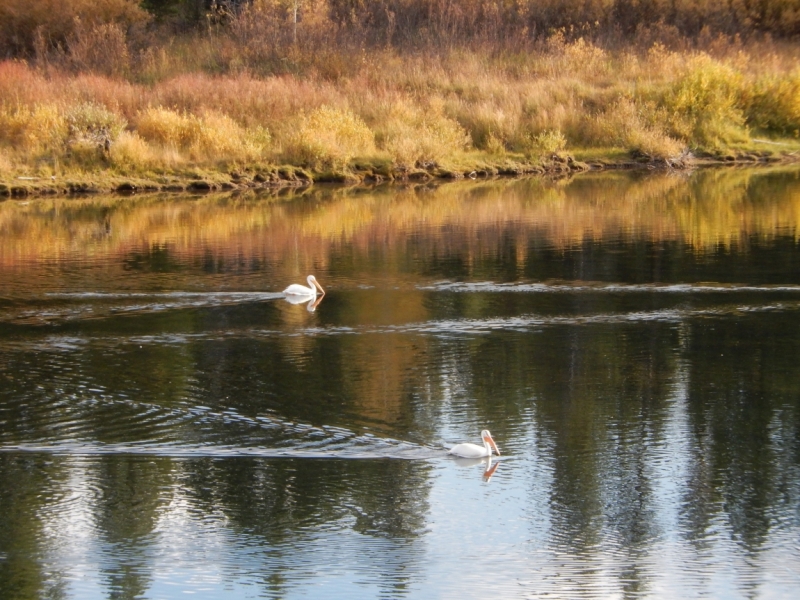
x,y
703,106
776,104
545,143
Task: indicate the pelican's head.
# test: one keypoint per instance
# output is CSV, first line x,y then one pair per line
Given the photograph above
x,y
487,439
313,283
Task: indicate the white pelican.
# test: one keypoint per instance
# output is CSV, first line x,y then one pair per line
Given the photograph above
x,y
297,289
475,451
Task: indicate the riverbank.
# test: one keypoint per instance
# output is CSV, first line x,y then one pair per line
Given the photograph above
x,y
562,106
481,168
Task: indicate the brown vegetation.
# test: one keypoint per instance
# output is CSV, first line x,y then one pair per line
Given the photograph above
x,y
377,87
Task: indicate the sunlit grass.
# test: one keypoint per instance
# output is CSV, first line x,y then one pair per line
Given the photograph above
x,y
564,96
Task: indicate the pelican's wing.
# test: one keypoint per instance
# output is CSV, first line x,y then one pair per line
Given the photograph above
x,y
468,451
299,290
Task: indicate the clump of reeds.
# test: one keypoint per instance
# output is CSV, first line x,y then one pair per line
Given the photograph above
x,y
328,138
203,137
414,134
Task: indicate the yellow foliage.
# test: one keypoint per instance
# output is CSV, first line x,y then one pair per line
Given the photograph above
x,y
206,136
130,152
412,134
547,142
704,104
329,137
628,125
33,130
776,104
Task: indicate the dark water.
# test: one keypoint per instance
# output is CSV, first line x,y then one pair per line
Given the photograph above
x,y
171,426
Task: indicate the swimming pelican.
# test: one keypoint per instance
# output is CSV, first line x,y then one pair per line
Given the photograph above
x,y
297,289
475,451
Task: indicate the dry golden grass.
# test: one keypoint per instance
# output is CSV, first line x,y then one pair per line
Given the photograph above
x,y
205,137
328,138
413,134
409,108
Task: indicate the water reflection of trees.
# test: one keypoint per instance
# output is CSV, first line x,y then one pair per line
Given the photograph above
x,y
349,231
277,507
608,404
605,400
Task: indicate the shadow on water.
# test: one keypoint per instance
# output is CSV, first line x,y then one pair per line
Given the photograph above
x,y
170,424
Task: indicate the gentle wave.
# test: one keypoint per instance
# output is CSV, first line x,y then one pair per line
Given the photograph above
x,y
210,296
361,450
445,327
84,306
67,425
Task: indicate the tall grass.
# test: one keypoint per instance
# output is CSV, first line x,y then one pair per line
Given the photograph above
x,y
328,138
164,111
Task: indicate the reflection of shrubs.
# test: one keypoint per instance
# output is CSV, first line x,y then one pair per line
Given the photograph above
x,y
411,134
329,138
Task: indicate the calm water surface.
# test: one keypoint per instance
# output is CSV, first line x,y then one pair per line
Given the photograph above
x,y
170,425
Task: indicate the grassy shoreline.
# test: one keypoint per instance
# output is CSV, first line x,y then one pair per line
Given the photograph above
x,y
562,165
563,106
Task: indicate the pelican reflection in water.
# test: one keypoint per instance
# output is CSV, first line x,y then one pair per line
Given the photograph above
x,y
486,460
298,293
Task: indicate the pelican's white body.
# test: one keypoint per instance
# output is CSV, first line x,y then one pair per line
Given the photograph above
x,y
475,451
297,289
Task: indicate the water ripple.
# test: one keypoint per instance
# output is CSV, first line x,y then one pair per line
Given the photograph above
x,y
602,287
66,307
358,448
439,328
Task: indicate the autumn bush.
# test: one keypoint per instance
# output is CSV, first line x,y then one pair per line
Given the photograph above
x,y
33,130
206,137
635,126
703,106
775,104
412,133
328,138
26,24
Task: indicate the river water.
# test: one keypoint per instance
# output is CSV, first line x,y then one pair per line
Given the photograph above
x,y
171,426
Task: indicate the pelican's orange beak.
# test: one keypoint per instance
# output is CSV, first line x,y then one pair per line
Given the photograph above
x,y
316,283
489,439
